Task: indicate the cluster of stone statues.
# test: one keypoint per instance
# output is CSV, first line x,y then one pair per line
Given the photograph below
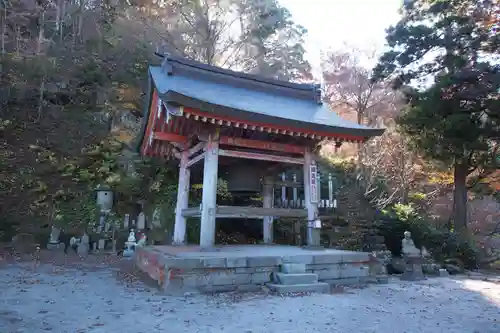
x,y
83,245
131,243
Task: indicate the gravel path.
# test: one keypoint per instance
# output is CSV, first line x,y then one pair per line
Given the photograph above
x,y
73,300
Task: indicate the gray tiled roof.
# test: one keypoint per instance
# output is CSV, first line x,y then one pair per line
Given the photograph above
x,y
254,104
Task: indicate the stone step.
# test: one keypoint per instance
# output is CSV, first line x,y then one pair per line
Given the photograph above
x,y
320,287
303,278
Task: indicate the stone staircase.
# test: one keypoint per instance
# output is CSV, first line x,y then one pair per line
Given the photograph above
x,y
293,278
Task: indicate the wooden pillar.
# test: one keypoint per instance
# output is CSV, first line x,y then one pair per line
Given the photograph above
x,y
295,193
209,193
296,204
182,199
267,225
311,198
284,201
330,190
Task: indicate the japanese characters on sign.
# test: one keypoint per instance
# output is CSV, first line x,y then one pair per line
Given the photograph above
x,y
313,184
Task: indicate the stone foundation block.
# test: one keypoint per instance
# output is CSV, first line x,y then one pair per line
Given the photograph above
x,y
214,263
249,270
300,288
215,279
293,268
263,261
236,262
351,271
184,263
265,269
346,281
231,278
302,278
328,274
328,259
315,267
248,273
302,259
355,257
260,278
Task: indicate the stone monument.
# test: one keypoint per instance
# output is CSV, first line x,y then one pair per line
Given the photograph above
x,y
156,218
141,221
84,245
413,259
126,221
54,238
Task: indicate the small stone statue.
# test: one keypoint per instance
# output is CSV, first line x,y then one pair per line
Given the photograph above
x,y
408,247
142,240
131,236
130,244
413,259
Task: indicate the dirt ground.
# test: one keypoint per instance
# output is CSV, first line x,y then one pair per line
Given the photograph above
x,y
103,294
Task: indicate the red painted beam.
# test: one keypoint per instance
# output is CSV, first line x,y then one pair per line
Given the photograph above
x,y
261,157
170,137
286,128
264,145
152,114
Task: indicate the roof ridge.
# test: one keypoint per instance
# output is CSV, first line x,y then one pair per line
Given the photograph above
x,y
313,89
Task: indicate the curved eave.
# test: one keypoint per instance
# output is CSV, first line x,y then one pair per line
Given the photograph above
x,y
144,124
226,113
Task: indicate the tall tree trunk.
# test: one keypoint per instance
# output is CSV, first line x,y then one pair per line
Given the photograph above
x,y
460,197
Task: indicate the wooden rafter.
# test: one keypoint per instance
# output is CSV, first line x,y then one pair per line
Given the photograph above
x,y
209,118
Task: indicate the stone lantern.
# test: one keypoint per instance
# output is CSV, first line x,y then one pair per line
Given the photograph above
x,y
105,202
104,198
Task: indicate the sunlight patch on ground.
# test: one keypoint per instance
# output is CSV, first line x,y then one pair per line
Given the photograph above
x,y
489,290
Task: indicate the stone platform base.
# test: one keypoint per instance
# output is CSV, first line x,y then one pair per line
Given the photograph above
x,y
179,269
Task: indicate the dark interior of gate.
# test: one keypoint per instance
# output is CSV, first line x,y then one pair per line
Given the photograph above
x,y
262,130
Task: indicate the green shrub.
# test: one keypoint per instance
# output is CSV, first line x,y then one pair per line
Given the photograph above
x,y
442,244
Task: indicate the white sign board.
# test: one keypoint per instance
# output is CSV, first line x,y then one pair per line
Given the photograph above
x,y
313,184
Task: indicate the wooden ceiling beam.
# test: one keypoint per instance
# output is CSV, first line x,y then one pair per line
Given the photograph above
x,y
259,144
